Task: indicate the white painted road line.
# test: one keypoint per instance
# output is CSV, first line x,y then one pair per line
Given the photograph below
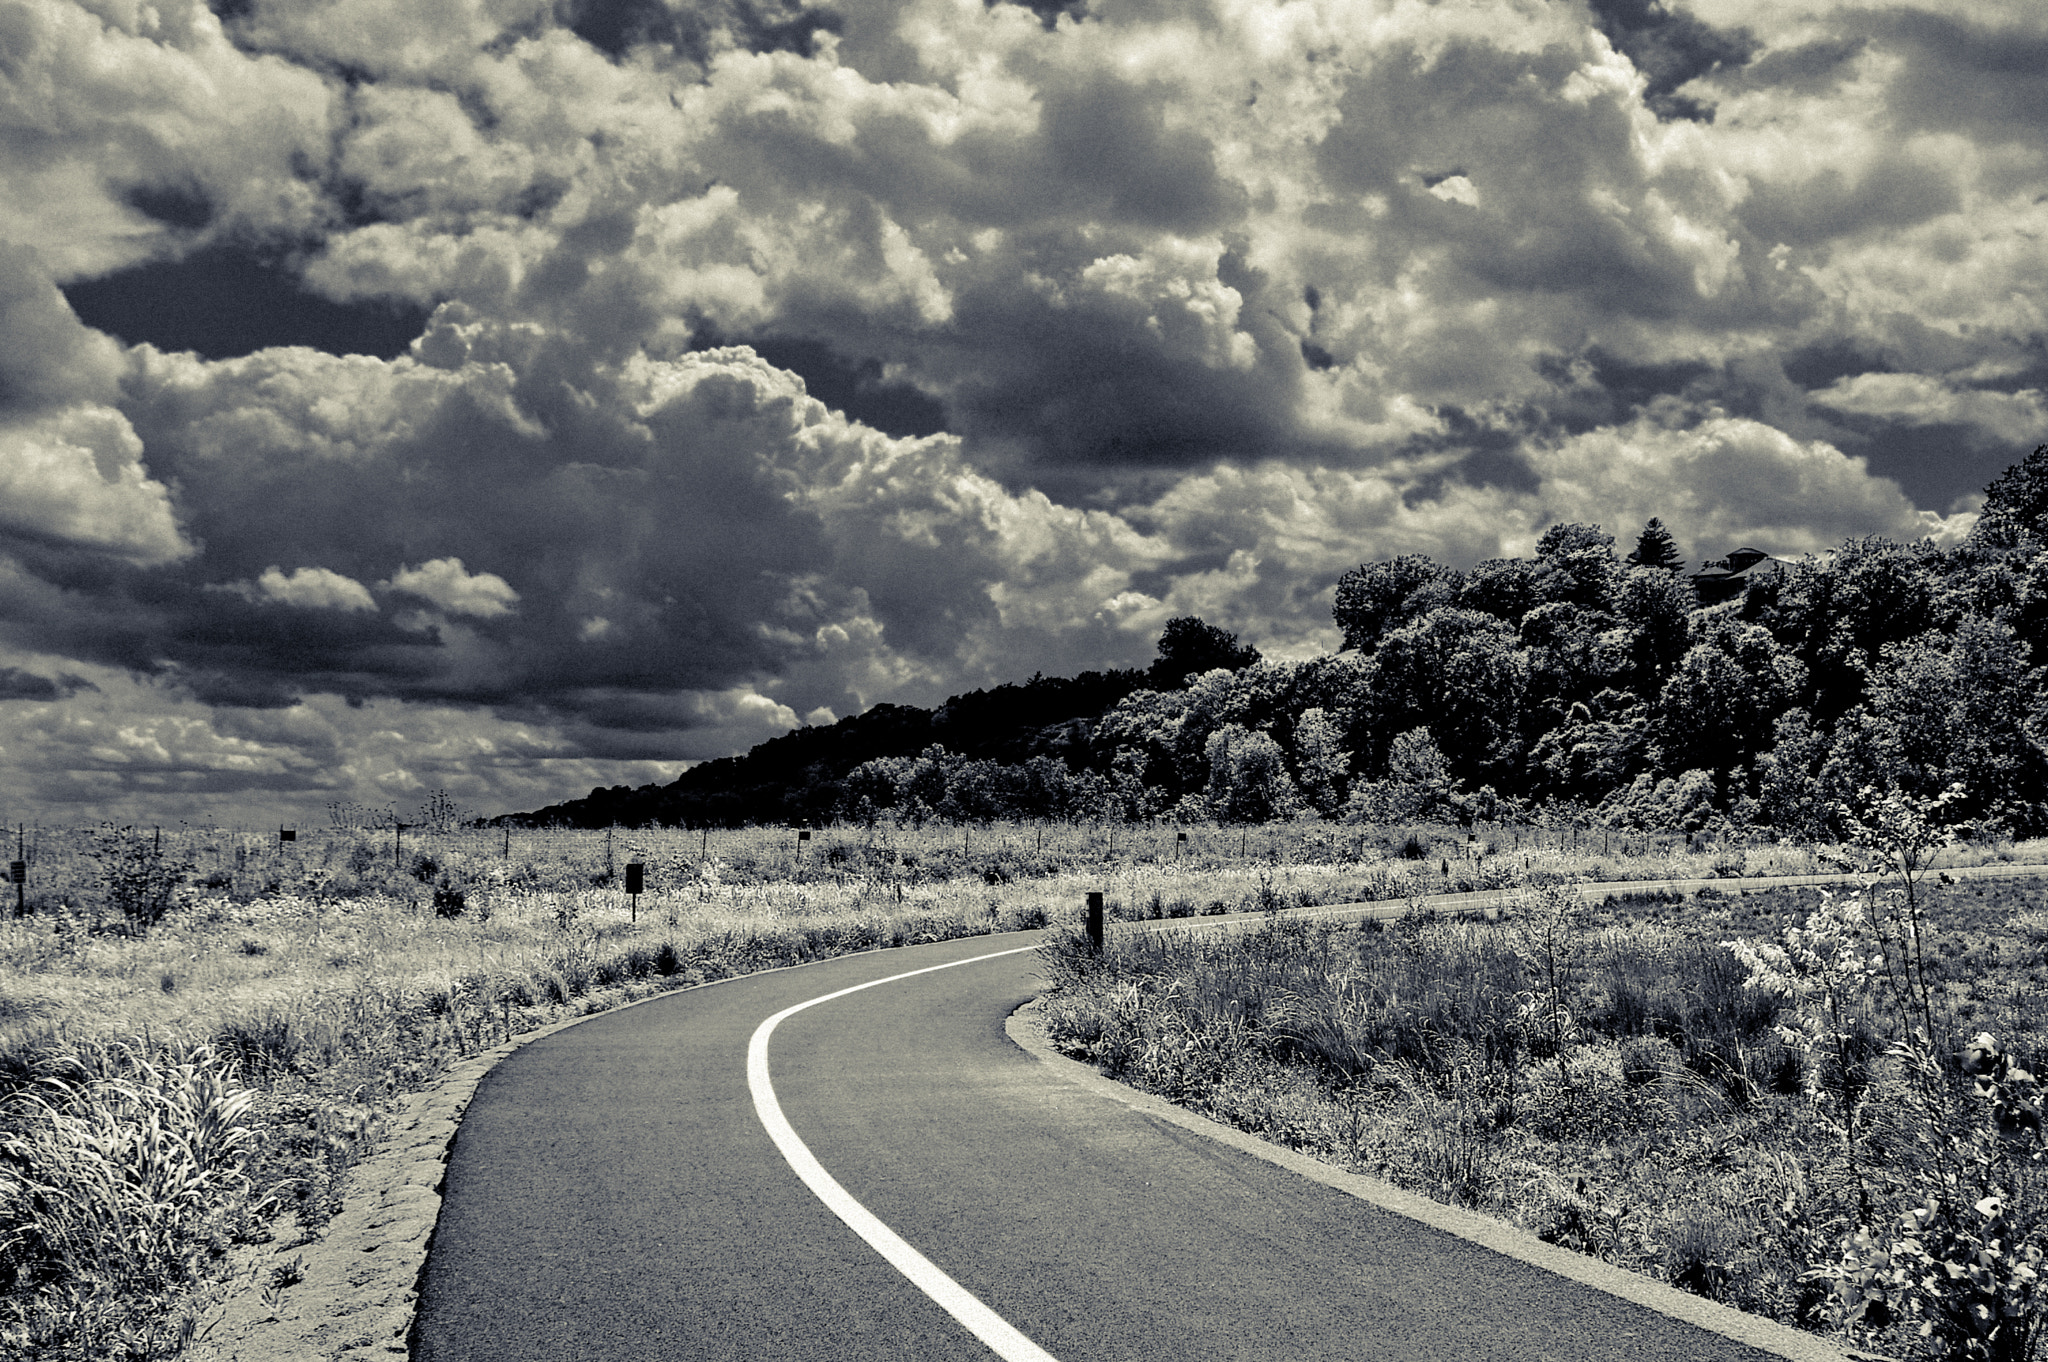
x,y
985,1324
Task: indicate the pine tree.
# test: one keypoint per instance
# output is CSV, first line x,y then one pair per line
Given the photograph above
x,y
1656,548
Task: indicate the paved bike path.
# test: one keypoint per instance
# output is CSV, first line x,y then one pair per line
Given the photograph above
x,y
613,1195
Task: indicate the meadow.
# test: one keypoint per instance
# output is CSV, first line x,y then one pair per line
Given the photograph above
x,y
200,1029
1613,1078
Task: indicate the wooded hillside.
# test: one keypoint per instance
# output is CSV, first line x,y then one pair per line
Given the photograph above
x,y
1577,681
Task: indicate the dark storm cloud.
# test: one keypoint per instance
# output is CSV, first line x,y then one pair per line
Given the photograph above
x,y
1600,389
1962,73
606,528
16,684
857,388
226,301
1812,68
1109,135
618,27
1671,46
1830,203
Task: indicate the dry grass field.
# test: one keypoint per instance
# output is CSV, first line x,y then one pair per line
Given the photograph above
x,y
200,1029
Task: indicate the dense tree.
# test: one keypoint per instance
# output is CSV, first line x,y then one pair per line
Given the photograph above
x,y
1137,741
1571,654
1790,795
1717,709
2015,508
1503,587
1686,801
1601,745
1419,786
1322,767
1248,780
1258,697
1375,598
1655,548
1190,647
1576,564
1338,685
1569,677
1459,673
1943,710
1655,608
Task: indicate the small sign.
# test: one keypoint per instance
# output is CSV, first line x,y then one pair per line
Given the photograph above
x,y
287,834
17,872
635,877
1180,837
803,834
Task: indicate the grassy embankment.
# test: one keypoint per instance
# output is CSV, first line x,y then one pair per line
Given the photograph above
x,y
165,1093
1603,1076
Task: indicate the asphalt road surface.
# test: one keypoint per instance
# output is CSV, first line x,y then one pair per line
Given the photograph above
x,y
615,1193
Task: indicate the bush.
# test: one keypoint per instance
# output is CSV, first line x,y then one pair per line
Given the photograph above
x,y
450,898
138,878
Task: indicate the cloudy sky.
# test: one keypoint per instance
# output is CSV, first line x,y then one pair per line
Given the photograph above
x,y
514,396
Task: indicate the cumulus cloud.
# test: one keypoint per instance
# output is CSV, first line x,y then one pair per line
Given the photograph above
x,y
75,478
312,588
2011,419
443,581
781,360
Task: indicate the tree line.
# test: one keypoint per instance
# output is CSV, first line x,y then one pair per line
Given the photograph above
x,y
1578,680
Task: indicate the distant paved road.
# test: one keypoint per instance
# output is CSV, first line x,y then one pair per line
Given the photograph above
x,y
613,1195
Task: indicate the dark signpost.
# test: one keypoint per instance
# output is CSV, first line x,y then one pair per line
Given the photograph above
x,y
636,877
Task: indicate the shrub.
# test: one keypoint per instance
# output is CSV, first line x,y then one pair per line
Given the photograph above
x,y
449,899
138,878
1964,1259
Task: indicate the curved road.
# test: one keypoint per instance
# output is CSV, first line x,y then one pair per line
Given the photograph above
x,y
614,1194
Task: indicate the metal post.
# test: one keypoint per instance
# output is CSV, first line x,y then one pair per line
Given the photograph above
x,y
1095,921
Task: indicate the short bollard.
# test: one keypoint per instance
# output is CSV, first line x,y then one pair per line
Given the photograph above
x,y
1095,923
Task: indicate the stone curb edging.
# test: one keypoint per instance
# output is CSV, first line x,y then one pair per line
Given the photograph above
x,y
1026,1030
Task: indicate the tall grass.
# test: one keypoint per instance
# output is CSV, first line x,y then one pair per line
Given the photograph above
x,y
122,1172
228,1057
1618,1088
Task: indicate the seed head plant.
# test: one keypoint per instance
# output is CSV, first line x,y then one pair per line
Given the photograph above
x,y
1964,1259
